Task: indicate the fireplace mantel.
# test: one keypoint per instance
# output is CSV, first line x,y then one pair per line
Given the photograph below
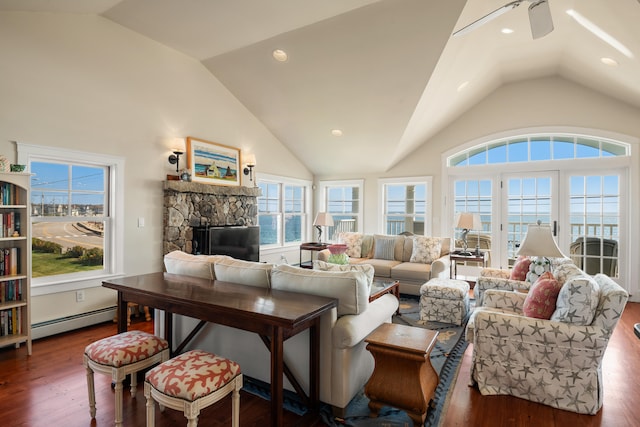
x,y
222,190
193,204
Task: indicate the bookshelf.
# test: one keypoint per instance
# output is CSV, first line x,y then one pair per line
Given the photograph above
x,y
15,260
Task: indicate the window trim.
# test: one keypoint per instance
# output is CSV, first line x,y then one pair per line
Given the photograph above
x,y
428,183
282,181
114,245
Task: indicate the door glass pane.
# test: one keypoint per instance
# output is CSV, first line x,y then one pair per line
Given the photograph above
x,y
475,196
529,200
595,223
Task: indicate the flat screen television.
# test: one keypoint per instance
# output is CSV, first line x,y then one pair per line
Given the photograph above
x,y
236,241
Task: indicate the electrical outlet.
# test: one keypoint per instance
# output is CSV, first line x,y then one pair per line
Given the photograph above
x,y
79,296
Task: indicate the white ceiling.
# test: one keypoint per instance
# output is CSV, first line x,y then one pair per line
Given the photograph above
x,y
385,72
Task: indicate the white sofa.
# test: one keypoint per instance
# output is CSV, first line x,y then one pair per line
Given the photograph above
x,y
345,364
406,263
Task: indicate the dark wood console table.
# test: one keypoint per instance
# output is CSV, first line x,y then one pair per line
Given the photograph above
x,y
274,315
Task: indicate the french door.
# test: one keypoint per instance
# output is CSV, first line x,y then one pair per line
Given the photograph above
x,y
526,198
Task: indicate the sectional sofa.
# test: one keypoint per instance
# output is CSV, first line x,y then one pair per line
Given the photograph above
x,y
345,364
412,260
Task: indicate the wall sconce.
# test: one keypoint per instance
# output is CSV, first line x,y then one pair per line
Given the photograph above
x,y
250,163
174,159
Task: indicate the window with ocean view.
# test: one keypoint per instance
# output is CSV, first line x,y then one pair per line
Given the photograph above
x,y
406,205
283,211
343,200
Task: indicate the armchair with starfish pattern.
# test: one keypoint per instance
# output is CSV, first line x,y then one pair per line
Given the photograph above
x,y
555,362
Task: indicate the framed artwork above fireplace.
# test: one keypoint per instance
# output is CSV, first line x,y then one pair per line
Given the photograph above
x,y
213,163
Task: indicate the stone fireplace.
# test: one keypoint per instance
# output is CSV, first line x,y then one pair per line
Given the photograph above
x,y
192,204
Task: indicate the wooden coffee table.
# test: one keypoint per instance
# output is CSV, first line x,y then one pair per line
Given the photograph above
x,y
403,376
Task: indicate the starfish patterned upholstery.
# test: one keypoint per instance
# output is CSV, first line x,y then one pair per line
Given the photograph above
x,y
553,362
444,300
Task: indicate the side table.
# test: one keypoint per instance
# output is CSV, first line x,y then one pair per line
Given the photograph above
x,y
313,247
403,376
474,257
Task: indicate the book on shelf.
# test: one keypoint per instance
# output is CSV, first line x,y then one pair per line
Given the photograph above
x,y
11,321
9,261
9,194
11,290
9,224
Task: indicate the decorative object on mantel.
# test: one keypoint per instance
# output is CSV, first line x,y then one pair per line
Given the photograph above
x,y
212,163
322,219
18,168
250,163
4,164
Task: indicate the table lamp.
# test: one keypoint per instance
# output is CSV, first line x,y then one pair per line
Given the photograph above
x,y
467,221
322,219
539,243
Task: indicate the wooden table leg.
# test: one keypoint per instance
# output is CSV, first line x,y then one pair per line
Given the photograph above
x,y
122,314
277,383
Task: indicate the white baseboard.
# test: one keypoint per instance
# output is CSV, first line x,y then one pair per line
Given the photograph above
x,y
66,324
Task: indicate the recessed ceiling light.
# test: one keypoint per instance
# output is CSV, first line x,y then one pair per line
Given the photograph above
x,y
609,61
280,55
462,86
336,132
506,31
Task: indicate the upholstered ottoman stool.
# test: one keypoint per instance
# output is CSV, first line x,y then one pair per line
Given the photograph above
x,y
121,355
191,382
444,300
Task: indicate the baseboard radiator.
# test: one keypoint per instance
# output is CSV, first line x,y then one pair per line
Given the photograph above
x,y
66,324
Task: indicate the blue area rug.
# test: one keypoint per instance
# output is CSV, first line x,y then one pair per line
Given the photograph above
x,y
445,359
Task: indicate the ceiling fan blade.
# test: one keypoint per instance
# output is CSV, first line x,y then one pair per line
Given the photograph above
x,y
540,19
489,17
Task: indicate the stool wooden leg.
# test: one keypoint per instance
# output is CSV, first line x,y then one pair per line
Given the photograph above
x,y
134,383
151,406
191,411
147,315
91,389
118,390
235,404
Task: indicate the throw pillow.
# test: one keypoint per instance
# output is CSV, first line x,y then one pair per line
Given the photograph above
x,y
520,269
353,242
426,249
566,271
384,249
577,301
365,268
541,299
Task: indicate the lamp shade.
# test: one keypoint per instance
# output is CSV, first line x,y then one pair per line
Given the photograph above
x,y
323,218
538,242
250,159
468,221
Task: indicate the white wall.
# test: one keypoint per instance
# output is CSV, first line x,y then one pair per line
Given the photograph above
x,y
82,82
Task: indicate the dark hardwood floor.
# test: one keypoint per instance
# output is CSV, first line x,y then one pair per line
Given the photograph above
x,y
49,389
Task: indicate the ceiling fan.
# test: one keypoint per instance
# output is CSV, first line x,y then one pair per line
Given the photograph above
x,y
539,18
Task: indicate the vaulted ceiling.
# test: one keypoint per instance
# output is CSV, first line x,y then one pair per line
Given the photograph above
x,y
387,73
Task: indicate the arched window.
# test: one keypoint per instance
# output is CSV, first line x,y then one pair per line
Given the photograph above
x,y
537,148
